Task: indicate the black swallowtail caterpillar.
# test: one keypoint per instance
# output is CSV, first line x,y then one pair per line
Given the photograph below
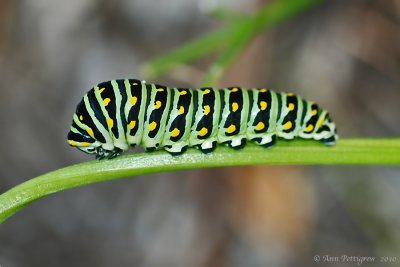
x,y
118,114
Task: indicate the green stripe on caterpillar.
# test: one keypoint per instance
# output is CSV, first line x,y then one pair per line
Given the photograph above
x,y
119,114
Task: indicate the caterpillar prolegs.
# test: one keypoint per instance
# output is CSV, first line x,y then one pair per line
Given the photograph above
x,y
119,114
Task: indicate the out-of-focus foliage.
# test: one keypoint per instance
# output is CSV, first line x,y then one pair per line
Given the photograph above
x,y
231,39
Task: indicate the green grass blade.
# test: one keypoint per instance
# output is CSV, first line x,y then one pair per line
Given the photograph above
x,y
347,151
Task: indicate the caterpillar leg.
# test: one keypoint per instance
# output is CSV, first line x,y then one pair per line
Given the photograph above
x,y
208,146
109,154
330,141
176,150
266,141
237,143
150,149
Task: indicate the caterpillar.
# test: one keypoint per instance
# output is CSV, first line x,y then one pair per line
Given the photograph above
x,y
118,114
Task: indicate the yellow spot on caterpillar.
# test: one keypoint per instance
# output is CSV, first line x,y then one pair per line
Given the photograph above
x,y
235,89
110,123
231,129
101,90
160,89
263,105
206,109
72,143
175,132
260,126
134,83
203,131
106,101
132,124
320,121
84,144
291,106
290,94
152,126
287,125
133,100
81,118
263,90
314,112
90,132
184,92
207,91
158,104
235,106
181,110
309,128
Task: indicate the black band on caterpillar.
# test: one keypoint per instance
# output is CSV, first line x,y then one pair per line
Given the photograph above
x,y
119,114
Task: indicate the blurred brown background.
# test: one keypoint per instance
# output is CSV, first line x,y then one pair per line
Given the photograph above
x,y
343,54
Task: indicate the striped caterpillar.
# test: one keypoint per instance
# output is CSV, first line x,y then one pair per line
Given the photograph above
x,y
119,114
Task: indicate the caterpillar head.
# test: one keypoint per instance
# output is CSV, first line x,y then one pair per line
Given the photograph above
x,y
91,146
83,142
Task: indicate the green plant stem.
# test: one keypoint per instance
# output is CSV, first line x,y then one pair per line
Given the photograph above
x,y
269,15
347,151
